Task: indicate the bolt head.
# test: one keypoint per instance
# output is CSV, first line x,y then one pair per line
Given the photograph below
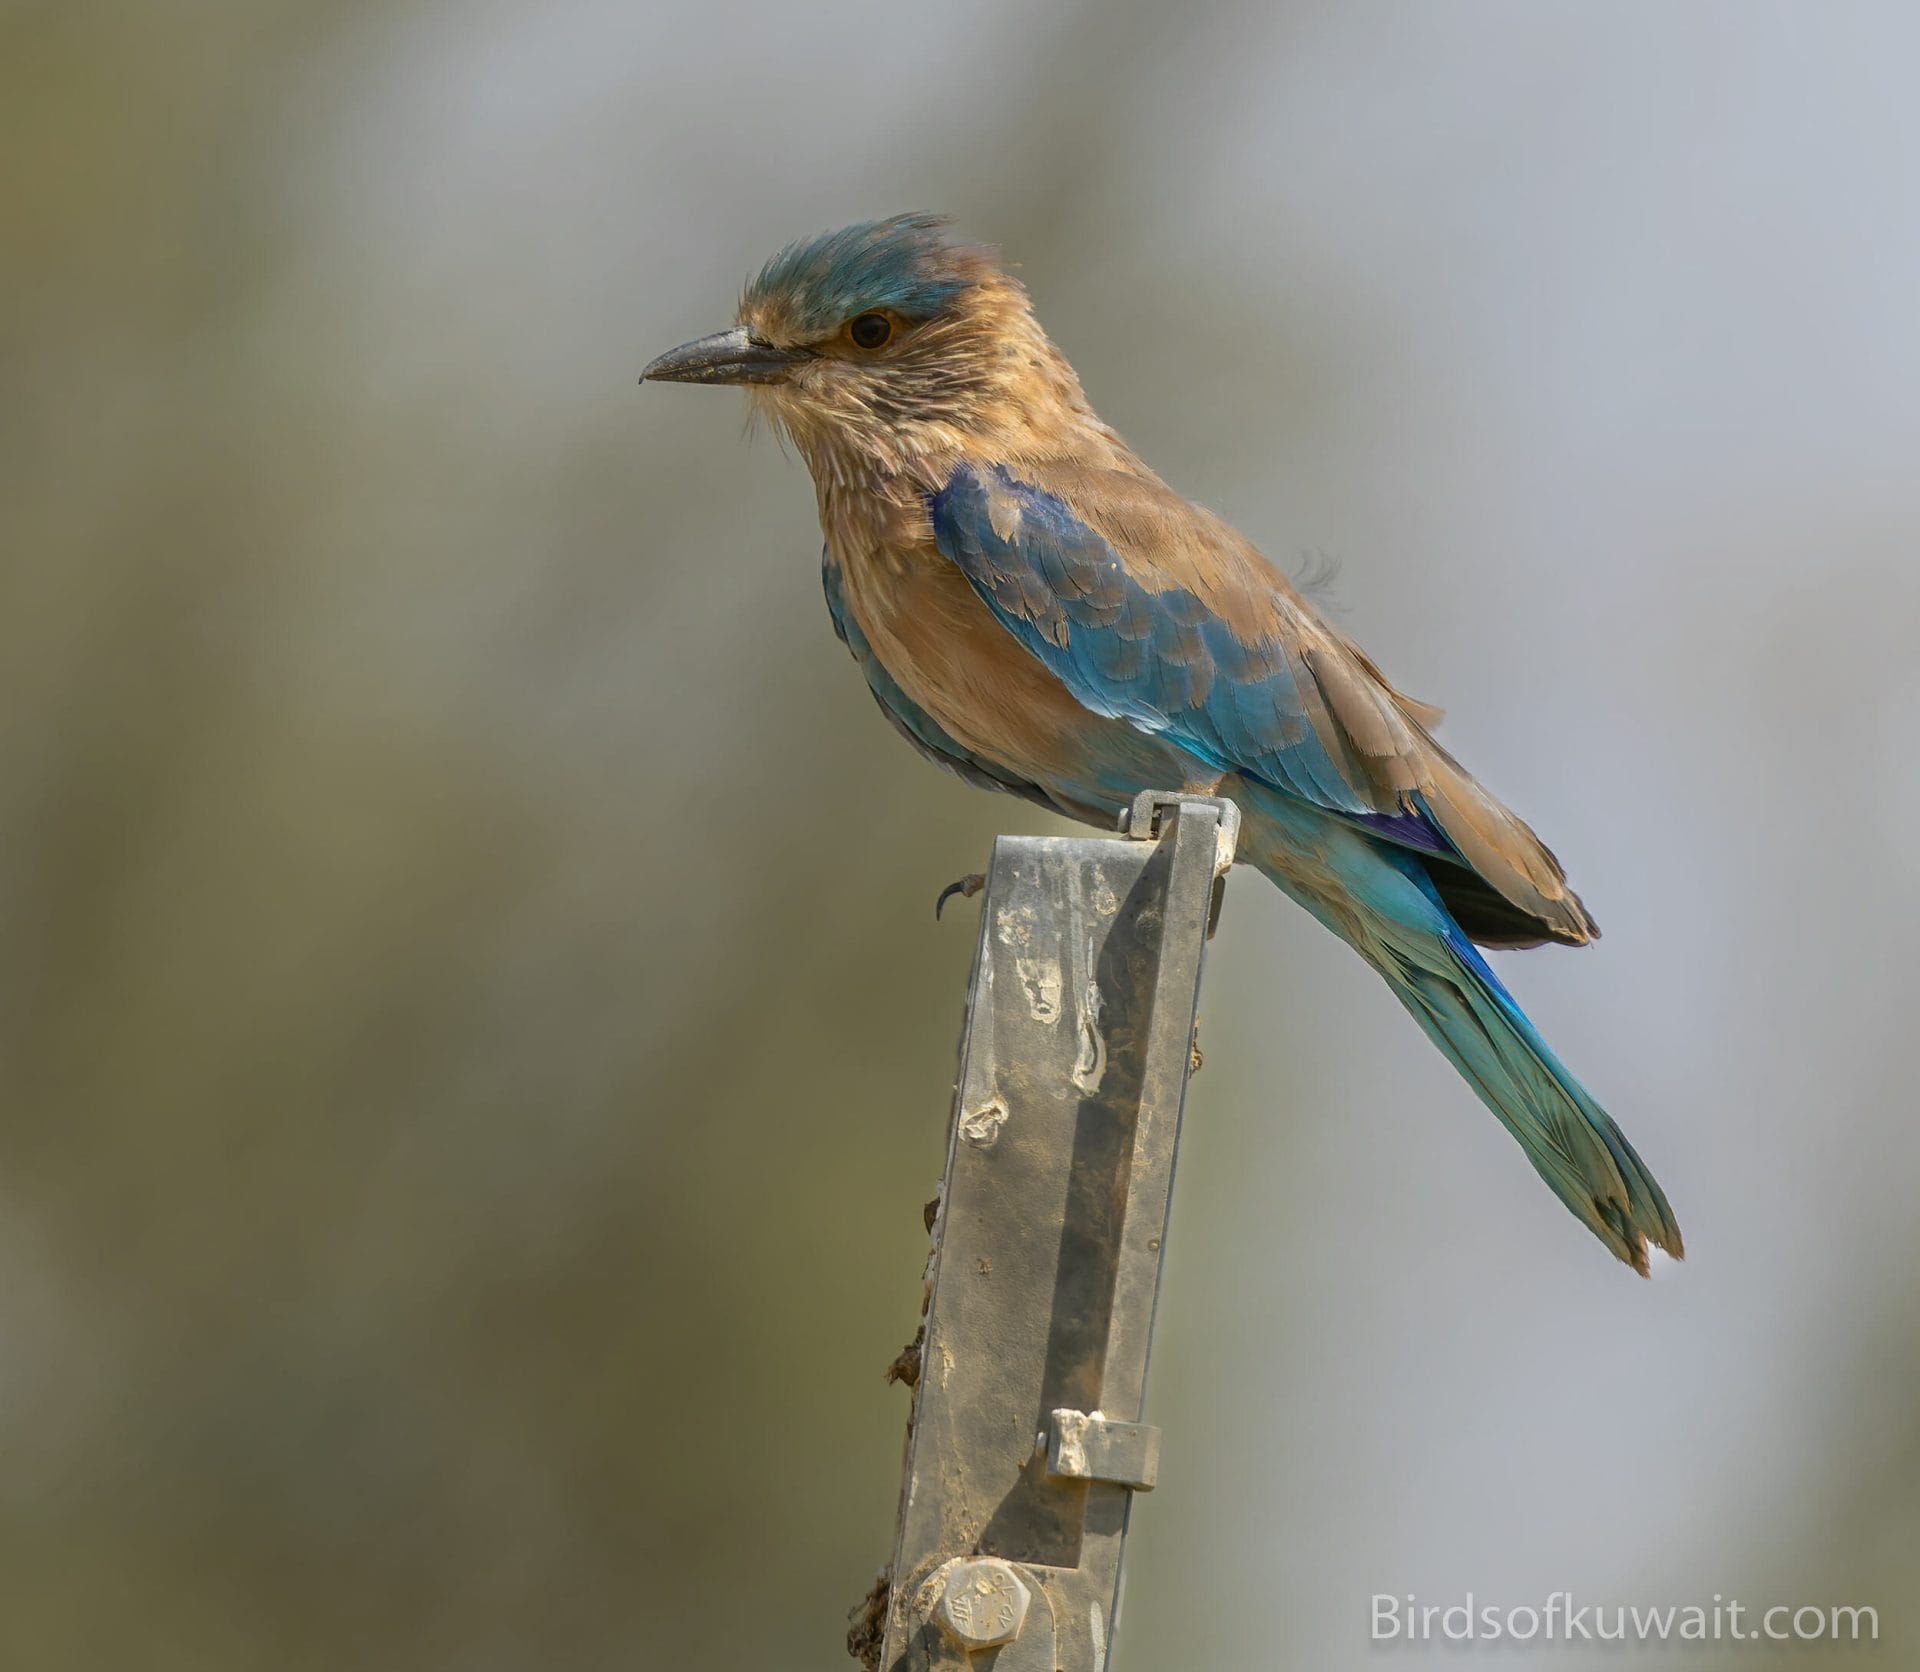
x,y
984,1604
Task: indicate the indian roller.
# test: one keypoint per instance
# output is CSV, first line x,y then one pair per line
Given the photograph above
x,y
1037,612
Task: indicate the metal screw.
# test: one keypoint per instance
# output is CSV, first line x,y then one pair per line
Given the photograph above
x,y
985,1602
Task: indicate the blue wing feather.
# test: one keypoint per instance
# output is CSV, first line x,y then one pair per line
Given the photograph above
x,y
1161,660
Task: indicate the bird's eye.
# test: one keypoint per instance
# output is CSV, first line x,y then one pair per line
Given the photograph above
x,y
870,330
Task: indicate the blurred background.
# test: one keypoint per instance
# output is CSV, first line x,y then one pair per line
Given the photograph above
x,y
474,1042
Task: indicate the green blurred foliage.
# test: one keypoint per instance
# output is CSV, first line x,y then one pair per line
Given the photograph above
x,y
473,1040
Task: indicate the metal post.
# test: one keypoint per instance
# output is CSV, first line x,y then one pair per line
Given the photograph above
x,y
1027,1440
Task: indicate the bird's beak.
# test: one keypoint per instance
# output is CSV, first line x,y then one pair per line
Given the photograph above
x,y
735,356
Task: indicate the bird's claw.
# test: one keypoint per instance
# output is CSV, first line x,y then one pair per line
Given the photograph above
x,y
966,888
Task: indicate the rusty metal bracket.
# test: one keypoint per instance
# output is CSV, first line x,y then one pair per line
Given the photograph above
x,y
1027,1444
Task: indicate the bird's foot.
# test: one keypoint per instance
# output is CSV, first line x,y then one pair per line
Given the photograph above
x,y
966,888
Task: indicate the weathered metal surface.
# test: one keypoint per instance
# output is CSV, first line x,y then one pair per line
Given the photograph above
x,y
1048,1245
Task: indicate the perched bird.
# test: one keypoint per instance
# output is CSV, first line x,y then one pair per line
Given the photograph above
x,y
1039,613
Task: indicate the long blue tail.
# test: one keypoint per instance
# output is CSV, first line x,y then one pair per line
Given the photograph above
x,y
1568,1137
1380,901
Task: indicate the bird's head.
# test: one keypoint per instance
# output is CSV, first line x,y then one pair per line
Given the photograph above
x,y
886,343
